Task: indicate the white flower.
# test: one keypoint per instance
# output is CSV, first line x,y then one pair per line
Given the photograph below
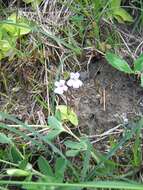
x,y
60,87
74,80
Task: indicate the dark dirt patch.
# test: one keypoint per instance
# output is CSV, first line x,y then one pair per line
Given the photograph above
x,y
123,98
19,87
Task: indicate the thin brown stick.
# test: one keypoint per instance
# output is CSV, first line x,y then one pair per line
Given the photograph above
x,y
104,99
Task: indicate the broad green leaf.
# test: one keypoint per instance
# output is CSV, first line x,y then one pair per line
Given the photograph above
x,y
115,4
138,64
76,145
52,134
18,25
5,46
86,161
23,29
44,166
67,114
23,164
55,124
72,153
123,15
119,19
118,63
60,167
17,172
10,27
63,111
73,118
16,155
4,139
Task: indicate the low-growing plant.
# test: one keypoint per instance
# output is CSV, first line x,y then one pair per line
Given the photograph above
x,y
93,164
85,23
10,31
55,155
120,64
117,12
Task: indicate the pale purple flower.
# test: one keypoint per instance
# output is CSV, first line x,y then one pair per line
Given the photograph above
x,y
60,87
74,80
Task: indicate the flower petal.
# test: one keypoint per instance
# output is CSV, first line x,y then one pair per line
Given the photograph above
x,y
70,82
62,82
77,84
65,88
57,83
80,82
77,75
72,75
58,91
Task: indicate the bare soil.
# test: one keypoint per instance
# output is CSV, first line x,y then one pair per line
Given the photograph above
x,y
108,98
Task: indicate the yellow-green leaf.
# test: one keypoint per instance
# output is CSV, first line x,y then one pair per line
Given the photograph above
x,y
5,46
68,114
16,26
17,172
123,15
115,4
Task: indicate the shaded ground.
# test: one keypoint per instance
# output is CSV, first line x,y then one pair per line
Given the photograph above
x,y
108,98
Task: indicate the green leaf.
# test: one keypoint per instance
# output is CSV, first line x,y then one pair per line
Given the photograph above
x,y
28,1
16,26
55,124
17,172
36,3
16,155
4,139
96,184
52,134
60,167
123,15
73,118
1,33
23,164
72,153
138,64
76,145
5,46
56,128
67,114
118,63
44,166
115,4
86,159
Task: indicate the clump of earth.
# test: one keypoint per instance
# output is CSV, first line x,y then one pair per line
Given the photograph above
x,y
107,98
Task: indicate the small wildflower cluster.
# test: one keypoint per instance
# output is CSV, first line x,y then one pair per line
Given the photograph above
x,y
74,82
